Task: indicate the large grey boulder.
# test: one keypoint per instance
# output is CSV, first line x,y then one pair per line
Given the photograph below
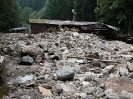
x,y
65,74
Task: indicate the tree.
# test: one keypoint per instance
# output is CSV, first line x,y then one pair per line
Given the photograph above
x,y
36,5
85,10
57,9
25,14
9,15
116,12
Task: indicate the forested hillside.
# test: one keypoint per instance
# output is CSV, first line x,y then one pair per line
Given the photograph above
x,y
118,13
36,5
9,14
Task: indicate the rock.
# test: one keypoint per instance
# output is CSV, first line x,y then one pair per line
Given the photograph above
x,y
82,69
95,63
49,84
83,95
85,83
65,74
38,59
43,45
99,92
54,57
5,97
118,84
59,88
131,75
111,94
45,92
19,45
75,34
26,80
90,97
25,97
122,71
31,50
79,61
11,48
102,65
68,88
30,83
2,63
109,69
58,97
96,70
130,66
127,94
27,60
29,42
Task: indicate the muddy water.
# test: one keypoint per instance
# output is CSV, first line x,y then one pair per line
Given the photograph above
x,y
3,84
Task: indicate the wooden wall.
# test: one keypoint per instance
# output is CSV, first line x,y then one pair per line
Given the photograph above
x,y
38,28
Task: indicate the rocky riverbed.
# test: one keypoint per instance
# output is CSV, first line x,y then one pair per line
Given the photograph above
x,y
65,65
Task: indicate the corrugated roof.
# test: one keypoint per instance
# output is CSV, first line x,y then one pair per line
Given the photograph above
x,y
59,22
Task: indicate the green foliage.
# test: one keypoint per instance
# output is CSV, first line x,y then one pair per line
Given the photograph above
x,y
116,12
62,9
57,9
9,14
25,14
36,5
85,10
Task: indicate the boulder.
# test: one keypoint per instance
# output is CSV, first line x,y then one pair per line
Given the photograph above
x,y
31,50
65,74
118,84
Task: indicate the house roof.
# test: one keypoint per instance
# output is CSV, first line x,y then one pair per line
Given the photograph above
x,y
60,22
